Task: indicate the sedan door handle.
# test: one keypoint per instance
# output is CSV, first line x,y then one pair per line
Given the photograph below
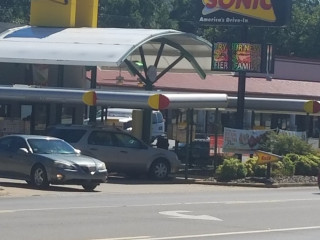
x,y
123,151
93,149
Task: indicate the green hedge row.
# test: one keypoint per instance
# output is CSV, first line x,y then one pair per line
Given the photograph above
x,y
299,158
289,165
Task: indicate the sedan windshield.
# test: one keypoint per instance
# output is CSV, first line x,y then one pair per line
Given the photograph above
x,y
50,146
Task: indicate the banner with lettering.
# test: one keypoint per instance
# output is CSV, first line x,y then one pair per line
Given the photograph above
x,y
238,140
302,135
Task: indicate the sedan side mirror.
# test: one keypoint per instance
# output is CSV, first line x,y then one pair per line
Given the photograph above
x,y
78,151
23,151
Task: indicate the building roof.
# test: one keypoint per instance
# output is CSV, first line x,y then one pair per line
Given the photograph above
x,y
219,83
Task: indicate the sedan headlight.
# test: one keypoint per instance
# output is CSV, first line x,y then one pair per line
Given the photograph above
x,y
101,166
65,166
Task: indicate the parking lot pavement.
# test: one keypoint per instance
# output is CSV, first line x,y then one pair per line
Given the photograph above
x,y
19,188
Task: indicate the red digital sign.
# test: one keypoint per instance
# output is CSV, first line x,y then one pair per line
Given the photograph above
x,y
245,57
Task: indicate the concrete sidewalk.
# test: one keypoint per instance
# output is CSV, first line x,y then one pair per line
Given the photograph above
x,y
10,187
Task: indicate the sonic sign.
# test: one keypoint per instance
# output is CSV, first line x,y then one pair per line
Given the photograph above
x,y
245,12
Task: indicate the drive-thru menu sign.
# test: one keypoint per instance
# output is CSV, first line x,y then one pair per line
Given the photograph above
x,y
245,12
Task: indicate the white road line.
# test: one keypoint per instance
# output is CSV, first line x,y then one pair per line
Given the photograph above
x,y
126,238
181,214
152,205
222,234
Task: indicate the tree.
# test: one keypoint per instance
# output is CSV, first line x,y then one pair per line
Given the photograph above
x,y
135,14
15,11
301,38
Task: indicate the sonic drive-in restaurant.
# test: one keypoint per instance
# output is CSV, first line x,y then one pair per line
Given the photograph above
x,y
245,12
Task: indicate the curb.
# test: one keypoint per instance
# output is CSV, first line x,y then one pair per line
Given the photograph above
x,y
2,192
197,179
260,185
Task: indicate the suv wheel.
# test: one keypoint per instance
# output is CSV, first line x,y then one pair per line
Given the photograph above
x,y
159,169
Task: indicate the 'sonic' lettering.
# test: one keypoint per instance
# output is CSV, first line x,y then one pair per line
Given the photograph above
x,y
247,4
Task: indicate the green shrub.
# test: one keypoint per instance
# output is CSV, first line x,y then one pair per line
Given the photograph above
x,y
276,169
241,171
285,167
282,144
306,166
289,167
293,157
260,170
315,158
231,169
250,165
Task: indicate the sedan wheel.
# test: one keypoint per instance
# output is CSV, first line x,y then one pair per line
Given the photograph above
x,y
89,187
159,170
39,177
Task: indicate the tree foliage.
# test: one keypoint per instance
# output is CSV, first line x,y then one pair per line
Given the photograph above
x,y
15,11
282,144
301,38
135,14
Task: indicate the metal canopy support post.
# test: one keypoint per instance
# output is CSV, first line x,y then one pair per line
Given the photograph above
x,y
147,118
93,85
187,55
186,167
169,67
60,84
144,64
215,154
147,113
241,99
133,69
241,91
156,62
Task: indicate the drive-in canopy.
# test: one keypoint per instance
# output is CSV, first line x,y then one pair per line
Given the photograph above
x,y
121,99
107,47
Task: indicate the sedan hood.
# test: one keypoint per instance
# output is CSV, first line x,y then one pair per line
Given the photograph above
x,y
73,158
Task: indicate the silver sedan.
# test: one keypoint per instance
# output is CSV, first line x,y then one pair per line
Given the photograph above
x,y
42,161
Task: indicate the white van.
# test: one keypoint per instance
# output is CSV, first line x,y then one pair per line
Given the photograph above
x,y
122,117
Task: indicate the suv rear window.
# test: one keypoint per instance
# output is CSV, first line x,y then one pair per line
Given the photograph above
x,y
69,135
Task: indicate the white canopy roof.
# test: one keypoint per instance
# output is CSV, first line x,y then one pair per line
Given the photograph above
x,y
107,47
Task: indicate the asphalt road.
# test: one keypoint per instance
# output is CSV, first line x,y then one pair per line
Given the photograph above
x,y
123,209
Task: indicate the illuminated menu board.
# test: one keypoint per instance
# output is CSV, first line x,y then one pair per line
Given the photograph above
x,y
246,57
220,61
237,57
